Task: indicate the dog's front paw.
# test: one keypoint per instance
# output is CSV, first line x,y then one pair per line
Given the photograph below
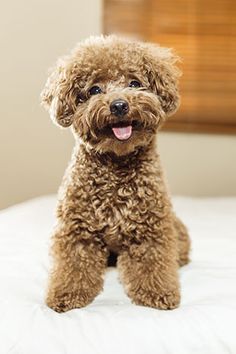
x,y
68,301
151,298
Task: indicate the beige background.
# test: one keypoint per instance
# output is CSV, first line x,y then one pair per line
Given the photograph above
x,y
34,152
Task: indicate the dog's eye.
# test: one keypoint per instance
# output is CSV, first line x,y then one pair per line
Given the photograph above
x,y
135,83
95,90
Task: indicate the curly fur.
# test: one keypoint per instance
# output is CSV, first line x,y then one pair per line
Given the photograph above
x,y
113,197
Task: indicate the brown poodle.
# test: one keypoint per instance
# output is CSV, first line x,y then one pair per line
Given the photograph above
x,y
115,93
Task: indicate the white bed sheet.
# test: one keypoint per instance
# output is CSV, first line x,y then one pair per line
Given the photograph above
x,y
205,323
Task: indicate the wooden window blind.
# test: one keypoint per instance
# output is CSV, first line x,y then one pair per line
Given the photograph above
x,y
203,33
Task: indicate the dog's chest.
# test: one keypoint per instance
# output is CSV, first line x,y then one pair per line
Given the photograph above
x,y
123,209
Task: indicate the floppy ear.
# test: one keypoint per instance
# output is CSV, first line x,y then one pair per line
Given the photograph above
x,y
163,76
58,95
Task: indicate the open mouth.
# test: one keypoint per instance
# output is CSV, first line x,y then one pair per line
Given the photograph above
x,y
123,131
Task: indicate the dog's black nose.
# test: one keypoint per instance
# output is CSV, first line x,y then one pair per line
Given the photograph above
x,y
119,107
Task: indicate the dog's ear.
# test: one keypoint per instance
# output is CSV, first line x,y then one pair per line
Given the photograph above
x,y
163,76
58,95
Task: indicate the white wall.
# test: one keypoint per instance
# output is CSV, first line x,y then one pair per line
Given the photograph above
x,y
199,164
33,33
33,152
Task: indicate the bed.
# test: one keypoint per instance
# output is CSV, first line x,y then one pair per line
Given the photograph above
x,y
205,323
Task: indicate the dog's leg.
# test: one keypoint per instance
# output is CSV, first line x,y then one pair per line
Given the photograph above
x,y
77,276
183,241
149,273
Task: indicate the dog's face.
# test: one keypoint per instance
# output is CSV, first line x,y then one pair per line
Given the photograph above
x,y
114,92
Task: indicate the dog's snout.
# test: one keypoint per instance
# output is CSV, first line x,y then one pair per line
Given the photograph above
x,y
119,107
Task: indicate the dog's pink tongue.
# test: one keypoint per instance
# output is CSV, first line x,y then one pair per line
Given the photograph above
x,y
122,133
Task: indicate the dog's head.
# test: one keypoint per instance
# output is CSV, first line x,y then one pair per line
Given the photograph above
x,y
115,93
